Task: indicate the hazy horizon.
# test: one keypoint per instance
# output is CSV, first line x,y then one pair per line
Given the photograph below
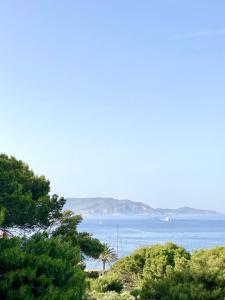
x,y
118,99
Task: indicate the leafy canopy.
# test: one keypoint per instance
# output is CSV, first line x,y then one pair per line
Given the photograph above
x,y
45,266
40,268
130,268
169,272
108,255
24,196
106,284
67,231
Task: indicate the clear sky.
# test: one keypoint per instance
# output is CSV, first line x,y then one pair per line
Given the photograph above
x,y
117,98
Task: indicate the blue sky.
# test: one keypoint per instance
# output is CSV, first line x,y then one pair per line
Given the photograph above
x,y
117,98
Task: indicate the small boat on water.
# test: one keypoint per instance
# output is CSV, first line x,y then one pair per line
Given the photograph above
x,y
167,219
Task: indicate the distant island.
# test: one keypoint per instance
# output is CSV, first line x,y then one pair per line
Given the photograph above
x,y
114,207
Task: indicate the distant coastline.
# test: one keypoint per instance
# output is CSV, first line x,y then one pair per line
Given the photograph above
x,y
115,207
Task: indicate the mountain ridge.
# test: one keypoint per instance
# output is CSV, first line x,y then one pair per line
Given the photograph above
x,y
116,207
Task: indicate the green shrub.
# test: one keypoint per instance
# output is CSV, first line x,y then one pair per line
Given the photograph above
x,y
172,274
92,274
166,272
40,268
109,296
136,293
106,284
130,268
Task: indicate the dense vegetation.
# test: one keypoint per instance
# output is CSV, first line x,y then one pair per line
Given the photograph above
x,y
46,265
25,198
168,272
49,262
40,268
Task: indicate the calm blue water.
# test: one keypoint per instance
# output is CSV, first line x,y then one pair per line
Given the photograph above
x,y
128,234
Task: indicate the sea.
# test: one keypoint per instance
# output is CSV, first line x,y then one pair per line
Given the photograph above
x,y
125,234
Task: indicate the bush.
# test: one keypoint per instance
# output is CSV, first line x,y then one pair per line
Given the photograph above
x,y
207,270
166,272
130,268
92,274
106,284
173,275
136,293
40,268
164,268
109,296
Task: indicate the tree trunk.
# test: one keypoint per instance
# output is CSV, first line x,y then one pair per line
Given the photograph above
x,y
103,265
